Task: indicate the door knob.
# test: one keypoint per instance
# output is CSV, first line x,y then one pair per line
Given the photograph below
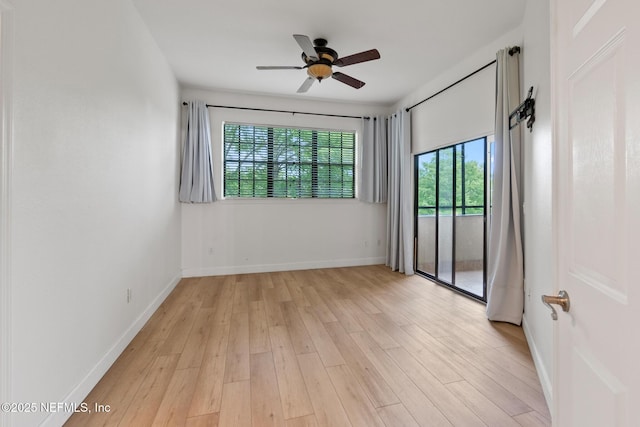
x,y
562,300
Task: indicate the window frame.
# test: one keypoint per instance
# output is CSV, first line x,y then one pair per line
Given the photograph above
x,y
314,182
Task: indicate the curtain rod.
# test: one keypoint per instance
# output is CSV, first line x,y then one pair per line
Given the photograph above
x,y
284,111
512,52
451,85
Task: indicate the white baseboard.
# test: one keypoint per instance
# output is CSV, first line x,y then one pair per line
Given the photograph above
x,y
267,268
80,392
541,369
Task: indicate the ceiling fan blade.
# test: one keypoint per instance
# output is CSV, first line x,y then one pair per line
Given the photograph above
x,y
355,83
306,85
278,67
307,46
356,58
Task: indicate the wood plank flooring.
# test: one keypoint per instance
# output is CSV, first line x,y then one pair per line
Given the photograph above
x,y
359,346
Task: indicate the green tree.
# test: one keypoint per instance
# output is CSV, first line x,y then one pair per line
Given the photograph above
x,y
473,182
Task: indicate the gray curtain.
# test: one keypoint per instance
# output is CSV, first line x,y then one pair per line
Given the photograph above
x,y
196,179
505,286
400,194
373,185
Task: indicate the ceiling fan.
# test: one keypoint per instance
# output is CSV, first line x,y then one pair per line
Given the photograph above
x,y
319,59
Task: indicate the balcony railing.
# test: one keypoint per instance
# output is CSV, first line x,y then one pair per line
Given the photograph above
x,y
469,241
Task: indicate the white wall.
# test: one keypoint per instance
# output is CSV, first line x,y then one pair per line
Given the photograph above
x,y
245,235
94,208
537,149
6,68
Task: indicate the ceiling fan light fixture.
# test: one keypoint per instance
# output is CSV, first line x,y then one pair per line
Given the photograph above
x,y
319,71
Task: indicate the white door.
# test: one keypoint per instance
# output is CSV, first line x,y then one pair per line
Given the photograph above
x,y
596,84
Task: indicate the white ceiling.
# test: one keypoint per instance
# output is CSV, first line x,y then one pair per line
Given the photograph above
x,y
217,44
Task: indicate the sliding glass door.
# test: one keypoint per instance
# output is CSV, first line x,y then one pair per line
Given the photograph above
x,y
451,186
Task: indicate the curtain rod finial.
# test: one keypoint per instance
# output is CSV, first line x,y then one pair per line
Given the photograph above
x,y
514,50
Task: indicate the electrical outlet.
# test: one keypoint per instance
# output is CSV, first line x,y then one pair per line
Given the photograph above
x,y
526,289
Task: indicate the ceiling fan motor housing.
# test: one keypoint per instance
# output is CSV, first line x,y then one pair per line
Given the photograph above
x,y
320,69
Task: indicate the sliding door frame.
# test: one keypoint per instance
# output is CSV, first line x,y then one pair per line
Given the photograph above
x,y
437,210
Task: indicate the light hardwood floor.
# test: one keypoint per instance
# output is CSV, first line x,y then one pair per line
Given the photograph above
x,y
357,346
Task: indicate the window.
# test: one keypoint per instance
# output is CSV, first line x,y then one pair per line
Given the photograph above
x,y
470,181
266,161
